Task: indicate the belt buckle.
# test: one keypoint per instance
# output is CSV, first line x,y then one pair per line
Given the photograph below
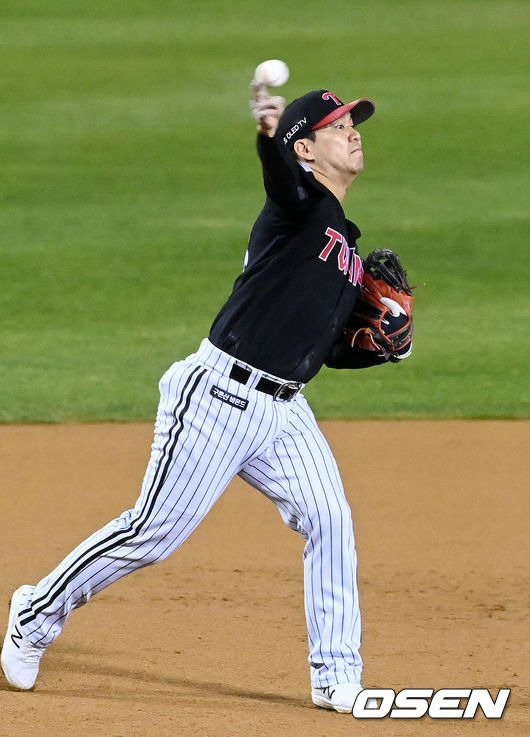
x,y
294,386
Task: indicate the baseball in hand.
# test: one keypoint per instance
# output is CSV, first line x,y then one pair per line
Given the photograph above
x,y
272,73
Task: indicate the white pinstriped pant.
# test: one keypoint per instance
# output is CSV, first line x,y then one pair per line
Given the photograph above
x,y
201,442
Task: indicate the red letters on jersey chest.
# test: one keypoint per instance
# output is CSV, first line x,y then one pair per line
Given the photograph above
x,y
348,261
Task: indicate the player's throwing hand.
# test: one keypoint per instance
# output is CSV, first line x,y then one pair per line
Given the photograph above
x,y
266,108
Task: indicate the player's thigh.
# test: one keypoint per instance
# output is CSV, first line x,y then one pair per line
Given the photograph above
x,y
298,472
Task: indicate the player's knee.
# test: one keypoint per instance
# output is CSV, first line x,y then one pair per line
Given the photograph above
x,y
334,515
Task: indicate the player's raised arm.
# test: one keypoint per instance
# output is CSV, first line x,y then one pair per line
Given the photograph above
x,y
280,171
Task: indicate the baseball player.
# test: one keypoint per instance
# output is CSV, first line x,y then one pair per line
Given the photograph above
x,y
236,405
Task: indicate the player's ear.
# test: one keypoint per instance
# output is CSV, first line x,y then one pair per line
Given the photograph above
x,y
303,150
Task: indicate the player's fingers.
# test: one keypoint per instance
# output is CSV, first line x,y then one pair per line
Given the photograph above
x,y
270,116
266,110
275,101
258,91
262,105
268,106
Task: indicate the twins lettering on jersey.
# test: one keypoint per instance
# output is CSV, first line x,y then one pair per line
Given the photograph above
x,y
348,261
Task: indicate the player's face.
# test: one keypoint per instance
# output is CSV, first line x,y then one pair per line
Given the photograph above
x,y
338,148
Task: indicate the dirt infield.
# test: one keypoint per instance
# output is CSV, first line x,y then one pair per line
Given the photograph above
x,y
212,641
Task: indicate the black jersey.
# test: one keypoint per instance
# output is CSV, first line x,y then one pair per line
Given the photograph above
x,y
302,276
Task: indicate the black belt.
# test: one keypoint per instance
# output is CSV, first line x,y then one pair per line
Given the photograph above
x,y
281,392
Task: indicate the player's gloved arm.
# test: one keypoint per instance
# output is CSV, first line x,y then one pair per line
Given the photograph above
x,y
381,321
380,329
343,356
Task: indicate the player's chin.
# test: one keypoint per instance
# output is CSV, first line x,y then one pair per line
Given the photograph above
x,y
357,162
357,167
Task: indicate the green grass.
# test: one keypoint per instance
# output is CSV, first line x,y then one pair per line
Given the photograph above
x,y
130,183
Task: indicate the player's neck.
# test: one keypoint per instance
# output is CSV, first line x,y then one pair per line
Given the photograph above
x,y
338,186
